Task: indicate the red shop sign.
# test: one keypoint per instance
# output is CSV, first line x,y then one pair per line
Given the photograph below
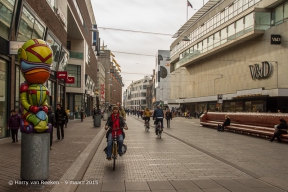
x,y
62,74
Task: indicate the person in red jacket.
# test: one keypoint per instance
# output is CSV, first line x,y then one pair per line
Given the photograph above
x,y
116,124
14,123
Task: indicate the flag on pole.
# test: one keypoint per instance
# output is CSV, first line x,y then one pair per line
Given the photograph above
x,y
189,4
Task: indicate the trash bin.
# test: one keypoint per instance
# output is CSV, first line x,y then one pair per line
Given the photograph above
x,y
97,120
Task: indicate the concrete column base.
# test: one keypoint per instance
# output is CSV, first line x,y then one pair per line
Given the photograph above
x,y
35,154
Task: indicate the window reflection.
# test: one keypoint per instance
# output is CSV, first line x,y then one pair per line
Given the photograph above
x,y
6,10
63,59
29,27
56,51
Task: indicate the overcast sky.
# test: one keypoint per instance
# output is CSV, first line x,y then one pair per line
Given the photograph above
x,y
157,16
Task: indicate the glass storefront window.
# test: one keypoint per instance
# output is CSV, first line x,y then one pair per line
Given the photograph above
x,y
51,89
6,13
286,10
239,28
19,80
262,20
254,106
217,39
3,98
248,23
231,32
29,27
78,105
223,36
56,50
210,42
200,47
205,45
277,15
74,71
38,31
63,59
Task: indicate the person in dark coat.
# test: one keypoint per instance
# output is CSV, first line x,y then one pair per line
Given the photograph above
x,y
61,116
168,116
225,123
14,123
279,130
52,121
116,124
82,113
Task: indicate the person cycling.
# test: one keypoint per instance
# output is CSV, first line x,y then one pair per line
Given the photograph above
x,y
115,121
147,115
158,115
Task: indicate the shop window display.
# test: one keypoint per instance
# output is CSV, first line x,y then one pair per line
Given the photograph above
x,y
3,98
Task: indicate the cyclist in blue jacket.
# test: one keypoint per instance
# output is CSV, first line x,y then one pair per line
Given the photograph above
x,y
158,115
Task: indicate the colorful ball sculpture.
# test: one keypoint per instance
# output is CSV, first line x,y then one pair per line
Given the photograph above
x,y
35,58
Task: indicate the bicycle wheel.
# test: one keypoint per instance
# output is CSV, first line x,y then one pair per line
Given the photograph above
x,y
114,155
159,129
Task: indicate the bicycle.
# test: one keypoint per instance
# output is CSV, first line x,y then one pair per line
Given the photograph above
x,y
146,125
159,129
114,148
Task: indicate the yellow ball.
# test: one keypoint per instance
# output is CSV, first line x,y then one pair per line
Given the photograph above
x,y
36,51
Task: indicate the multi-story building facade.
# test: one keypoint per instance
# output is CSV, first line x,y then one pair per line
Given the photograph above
x,y
235,60
150,92
162,83
136,94
60,23
21,21
82,63
100,86
113,79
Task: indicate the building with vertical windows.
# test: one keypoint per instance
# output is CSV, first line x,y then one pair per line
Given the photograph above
x,y
56,22
136,94
162,83
112,89
21,21
234,59
82,63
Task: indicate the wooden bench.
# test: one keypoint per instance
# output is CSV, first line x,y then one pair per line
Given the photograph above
x,y
255,124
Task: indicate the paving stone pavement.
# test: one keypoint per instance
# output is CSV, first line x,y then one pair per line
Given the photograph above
x,y
170,163
77,136
187,158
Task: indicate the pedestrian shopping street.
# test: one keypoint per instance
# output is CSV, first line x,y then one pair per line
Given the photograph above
x,y
188,156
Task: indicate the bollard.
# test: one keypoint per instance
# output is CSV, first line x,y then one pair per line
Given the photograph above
x,y
97,120
35,151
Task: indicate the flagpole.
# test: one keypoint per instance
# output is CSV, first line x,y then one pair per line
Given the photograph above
x,y
186,10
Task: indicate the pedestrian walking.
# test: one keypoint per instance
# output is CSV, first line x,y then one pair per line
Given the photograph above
x,y
82,113
52,121
168,117
14,123
60,120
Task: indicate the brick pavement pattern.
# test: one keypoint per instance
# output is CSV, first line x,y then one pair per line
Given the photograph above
x,y
62,156
187,158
